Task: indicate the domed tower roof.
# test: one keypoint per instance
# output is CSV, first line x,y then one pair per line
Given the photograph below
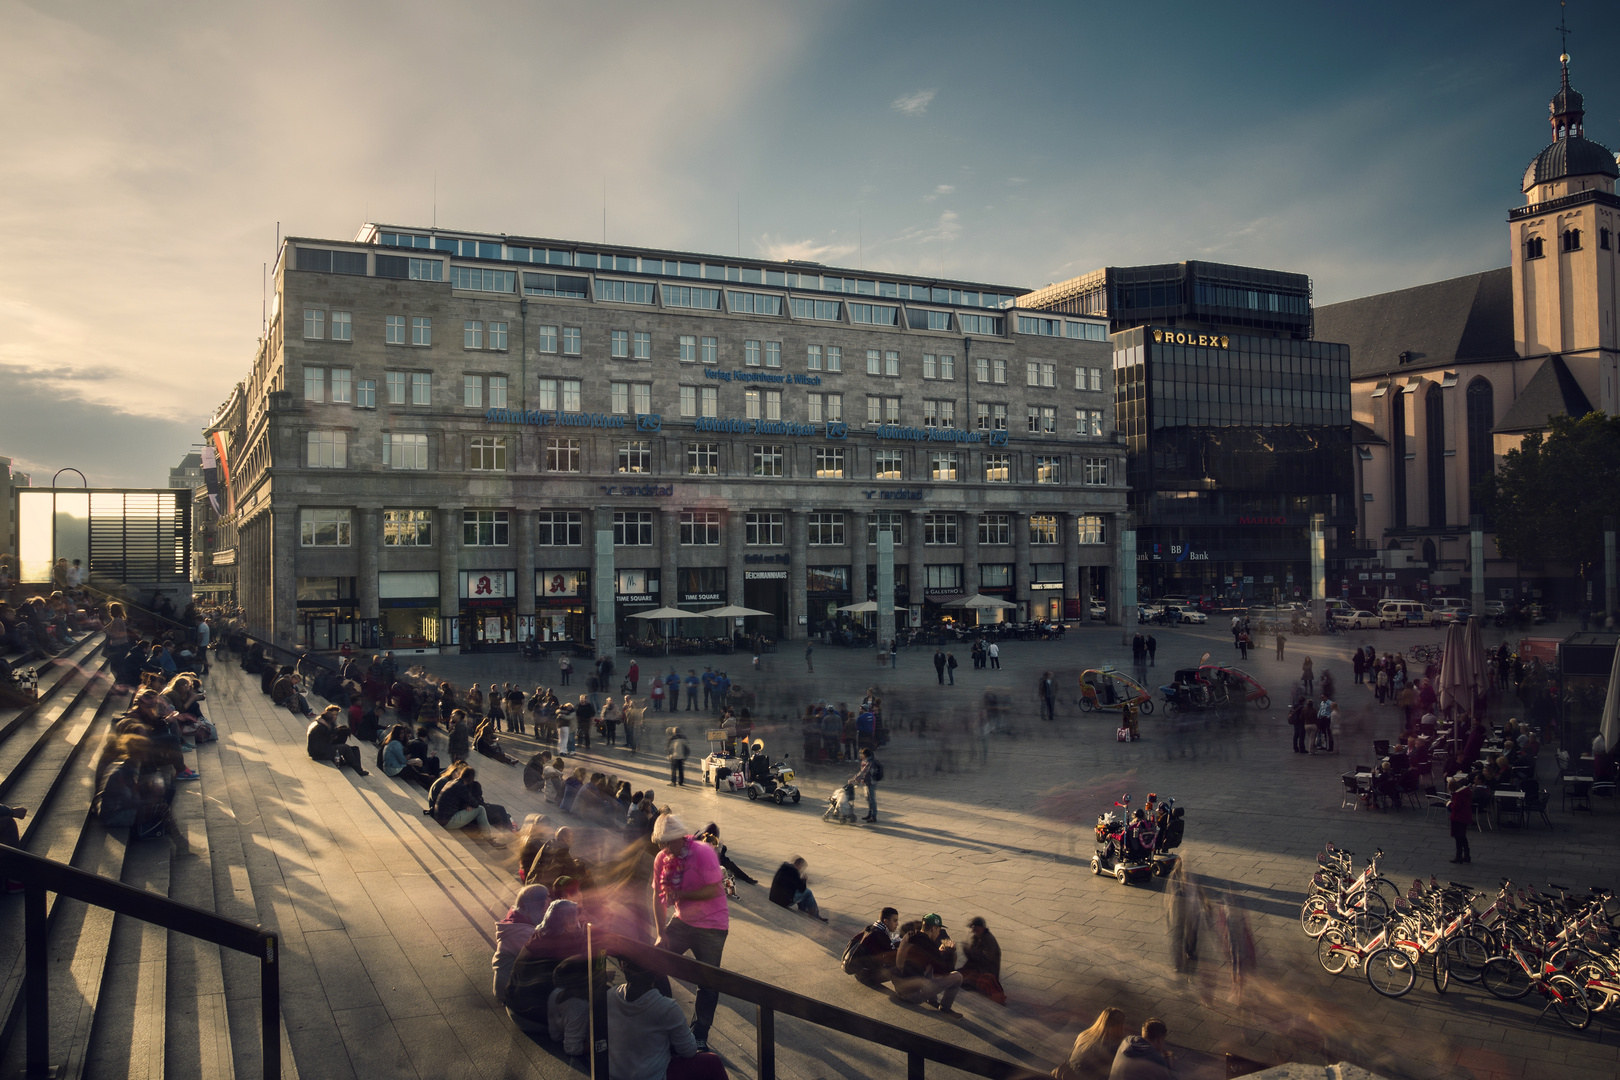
x,y
1570,153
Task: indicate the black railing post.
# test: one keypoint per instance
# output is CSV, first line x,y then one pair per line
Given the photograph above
x,y
766,1027
35,993
914,1066
597,995
270,1004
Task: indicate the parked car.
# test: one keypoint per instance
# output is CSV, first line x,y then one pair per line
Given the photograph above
x,y
1185,614
1360,620
1408,613
1099,610
1450,608
1495,609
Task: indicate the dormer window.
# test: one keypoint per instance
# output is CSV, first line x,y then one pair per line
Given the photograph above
x,y
1571,240
1532,248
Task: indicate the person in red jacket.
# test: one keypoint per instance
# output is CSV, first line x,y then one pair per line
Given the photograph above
x,y
1462,816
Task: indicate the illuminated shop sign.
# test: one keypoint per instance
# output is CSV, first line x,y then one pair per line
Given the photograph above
x,y
1178,337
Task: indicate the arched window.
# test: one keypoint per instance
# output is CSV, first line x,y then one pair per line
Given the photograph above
x,y
1434,421
1481,402
1397,447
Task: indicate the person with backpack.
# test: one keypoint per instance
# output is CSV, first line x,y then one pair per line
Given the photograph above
x,y
870,954
679,751
870,774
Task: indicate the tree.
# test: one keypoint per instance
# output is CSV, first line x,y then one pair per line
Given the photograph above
x,y
1549,498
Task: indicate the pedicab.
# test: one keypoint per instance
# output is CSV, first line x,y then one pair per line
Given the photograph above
x,y
1110,690
1239,681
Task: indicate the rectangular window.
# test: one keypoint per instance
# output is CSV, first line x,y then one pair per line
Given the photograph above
x,y
981,369
938,413
557,528
635,457
995,529
1088,422
403,451
812,360
421,330
703,459
545,339
939,529
570,395
689,401
1043,327
814,409
342,326
874,361
943,465
751,354
891,363
891,410
632,528
762,529
546,397
398,382
998,371
314,384
570,341
688,296
641,398
564,285
619,397
711,350
922,319
700,528
1096,472
998,468
324,528
773,354
708,401
394,329
481,279
624,292
835,358
773,404
874,409
874,314
472,334
487,453
472,391
767,460
328,450
421,388
497,335
365,394
1087,378
484,528
886,465
1043,529
753,303
340,386
835,408
985,325
426,270
1048,470
948,576
889,521
1091,529
619,344
407,528
497,391
314,324
829,462
824,530
825,310
751,404
562,454
687,346
643,345
995,575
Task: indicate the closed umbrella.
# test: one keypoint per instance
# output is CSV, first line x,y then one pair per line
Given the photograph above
x,y
1610,726
1453,692
1479,671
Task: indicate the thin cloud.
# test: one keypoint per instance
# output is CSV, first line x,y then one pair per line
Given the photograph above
x,y
942,189
805,250
947,227
913,104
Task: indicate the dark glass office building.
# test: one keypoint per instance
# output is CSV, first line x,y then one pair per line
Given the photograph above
x,y
1236,424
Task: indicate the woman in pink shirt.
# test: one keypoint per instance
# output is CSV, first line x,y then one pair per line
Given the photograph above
x,y
692,908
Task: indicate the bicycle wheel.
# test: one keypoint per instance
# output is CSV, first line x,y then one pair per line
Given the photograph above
x,y
1569,1001
1391,972
1363,926
1504,978
1333,951
1313,916
1442,970
1386,890
1466,955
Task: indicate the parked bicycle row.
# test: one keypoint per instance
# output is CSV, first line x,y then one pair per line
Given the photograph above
x,y
1560,947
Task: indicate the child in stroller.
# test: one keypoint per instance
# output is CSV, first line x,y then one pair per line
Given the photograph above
x,y
841,805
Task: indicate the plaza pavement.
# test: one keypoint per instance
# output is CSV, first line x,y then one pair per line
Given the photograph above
x,y
998,826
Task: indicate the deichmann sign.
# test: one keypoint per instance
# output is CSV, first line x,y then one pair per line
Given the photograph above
x,y
543,418
1177,337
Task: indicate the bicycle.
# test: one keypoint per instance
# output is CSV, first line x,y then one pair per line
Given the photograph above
x,y
1365,902
1512,977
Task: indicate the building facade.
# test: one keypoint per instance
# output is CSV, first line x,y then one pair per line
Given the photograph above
x,y
1450,376
439,427
1236,425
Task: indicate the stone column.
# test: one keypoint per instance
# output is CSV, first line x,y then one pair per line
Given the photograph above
x,y
365,585
669,547
523,537
449,573
1072,573
1022,571
860,522
732,525
970,552
798,578
284,588
916,576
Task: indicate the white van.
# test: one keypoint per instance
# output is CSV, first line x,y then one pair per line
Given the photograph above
x,y
1407,613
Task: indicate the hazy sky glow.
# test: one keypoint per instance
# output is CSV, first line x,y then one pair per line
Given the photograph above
x,y
149,151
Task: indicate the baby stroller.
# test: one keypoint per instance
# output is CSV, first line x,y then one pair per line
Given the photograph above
x,y
1169,823
1125,844
841,806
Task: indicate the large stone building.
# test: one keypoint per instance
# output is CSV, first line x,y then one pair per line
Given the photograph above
x,y
1450,376
1236,425
437,426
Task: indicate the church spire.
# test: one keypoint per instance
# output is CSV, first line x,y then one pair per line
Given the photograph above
x,y
1567,106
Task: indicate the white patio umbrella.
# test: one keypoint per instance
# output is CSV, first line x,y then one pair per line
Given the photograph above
x,y
664,613
978,601
1610,726
865,607
732,611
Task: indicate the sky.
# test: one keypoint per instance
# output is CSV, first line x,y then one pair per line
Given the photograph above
x,y
150,151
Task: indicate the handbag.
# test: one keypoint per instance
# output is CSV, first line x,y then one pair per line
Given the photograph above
x,y
1123,734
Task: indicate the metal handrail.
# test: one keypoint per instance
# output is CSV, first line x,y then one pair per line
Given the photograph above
x,y
39,876
770,1000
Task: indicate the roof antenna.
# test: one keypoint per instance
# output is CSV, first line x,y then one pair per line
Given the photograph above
x,y
435,198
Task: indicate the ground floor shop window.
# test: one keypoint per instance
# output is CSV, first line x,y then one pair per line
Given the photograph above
x,y
415,626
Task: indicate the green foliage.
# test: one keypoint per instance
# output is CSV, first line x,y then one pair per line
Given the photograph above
x,y
1549,498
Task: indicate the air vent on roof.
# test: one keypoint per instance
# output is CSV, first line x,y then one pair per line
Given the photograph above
x,y
1406,358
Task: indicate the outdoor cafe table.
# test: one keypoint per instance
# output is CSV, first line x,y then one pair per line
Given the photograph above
x,y
1511,801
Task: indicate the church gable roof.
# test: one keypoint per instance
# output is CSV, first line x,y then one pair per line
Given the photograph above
x,y
1552,391
1465,318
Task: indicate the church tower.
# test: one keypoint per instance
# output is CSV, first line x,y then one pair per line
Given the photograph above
x,y
1565,246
